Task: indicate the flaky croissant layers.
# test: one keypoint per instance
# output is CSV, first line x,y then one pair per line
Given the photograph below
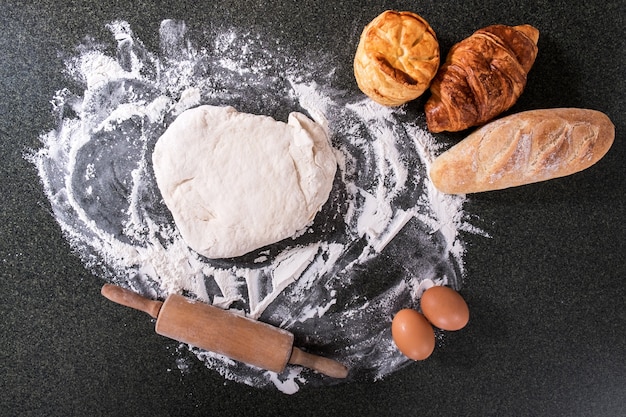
x,y
397,60
483,76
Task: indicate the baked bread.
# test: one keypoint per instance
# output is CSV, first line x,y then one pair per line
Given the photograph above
x,y
397,58
524,148
483,75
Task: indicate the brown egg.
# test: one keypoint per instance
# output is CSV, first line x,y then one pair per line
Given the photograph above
x,y
445,308
413,334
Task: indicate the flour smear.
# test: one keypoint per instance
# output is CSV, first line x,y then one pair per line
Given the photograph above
x,y
384,235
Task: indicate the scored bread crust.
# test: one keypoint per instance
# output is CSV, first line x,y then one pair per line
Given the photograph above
x,y
524,148
397,57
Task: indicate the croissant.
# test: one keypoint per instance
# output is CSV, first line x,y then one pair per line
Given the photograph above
x,y
483,76
397,58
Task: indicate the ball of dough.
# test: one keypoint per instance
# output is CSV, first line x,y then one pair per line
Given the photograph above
x,y
397,58
235,182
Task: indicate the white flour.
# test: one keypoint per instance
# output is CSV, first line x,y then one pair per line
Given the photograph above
x,y
385,235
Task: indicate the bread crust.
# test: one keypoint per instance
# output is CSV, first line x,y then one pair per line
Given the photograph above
x,y
524,148
482,76
397,57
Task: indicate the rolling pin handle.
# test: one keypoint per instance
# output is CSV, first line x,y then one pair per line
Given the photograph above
x,y
318,363
130,299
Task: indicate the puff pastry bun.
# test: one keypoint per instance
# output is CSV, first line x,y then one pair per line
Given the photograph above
x,y
397,58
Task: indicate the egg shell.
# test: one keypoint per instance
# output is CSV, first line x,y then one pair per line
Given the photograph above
x,y
413,334
445,308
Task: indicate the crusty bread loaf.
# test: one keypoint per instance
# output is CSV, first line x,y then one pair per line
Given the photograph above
x,y
397,57
524,148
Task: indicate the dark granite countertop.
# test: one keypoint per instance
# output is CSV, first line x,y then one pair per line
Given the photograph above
x,y
546,289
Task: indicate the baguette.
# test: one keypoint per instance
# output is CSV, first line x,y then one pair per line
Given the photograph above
x,y
524,148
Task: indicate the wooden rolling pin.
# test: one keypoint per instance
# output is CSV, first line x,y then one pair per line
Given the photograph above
x,y
220,331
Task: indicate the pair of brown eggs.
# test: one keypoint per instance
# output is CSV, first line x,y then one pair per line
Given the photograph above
x,y
413,332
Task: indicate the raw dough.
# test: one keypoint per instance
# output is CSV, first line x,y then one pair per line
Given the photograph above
x,y
235,182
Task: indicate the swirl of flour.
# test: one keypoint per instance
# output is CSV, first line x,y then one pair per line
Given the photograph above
x,y
384,234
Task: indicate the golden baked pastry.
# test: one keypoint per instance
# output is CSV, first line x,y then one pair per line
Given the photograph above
x,y
483,75
397,58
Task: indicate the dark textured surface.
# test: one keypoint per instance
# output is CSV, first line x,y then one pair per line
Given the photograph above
x,y
548,330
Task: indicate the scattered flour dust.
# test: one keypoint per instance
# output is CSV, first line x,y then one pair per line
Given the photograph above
x,y
384,236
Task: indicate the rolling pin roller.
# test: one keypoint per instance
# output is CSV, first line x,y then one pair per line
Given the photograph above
x,y
220,331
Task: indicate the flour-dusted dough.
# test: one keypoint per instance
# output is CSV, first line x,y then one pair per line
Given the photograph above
x,y
235,182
